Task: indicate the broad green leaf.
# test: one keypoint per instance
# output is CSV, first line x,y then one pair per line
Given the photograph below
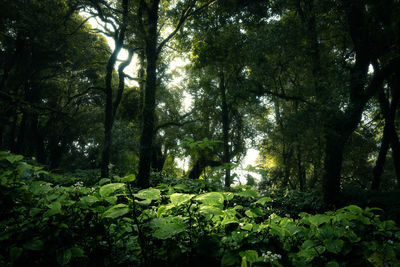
x,y
230,259
116,211
226,221
254,213
250,255
325,232
308,244
210,210
14,158
247,227
182,188
111,199
34,211
248,193
211,198
34,244
179,198
334,246
352,208
54,208
319,219
128,179
332,264
89,200
163,208
63,256
15,253
228,195
166,227
104,181
77,252
108,189
263,200
309,254
143,203
149,194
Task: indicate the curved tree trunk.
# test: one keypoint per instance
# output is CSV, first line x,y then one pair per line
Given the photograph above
x,y
389,136
111,108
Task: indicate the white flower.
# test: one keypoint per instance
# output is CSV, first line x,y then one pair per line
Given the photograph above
x,y
390,242
347,227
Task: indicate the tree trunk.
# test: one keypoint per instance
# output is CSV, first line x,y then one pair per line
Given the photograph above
x,y
396,154
146,138
200,165
332,167
158,159
380,162
225,129
389,135
111,108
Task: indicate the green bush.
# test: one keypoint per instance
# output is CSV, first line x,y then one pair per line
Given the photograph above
x,y
112,224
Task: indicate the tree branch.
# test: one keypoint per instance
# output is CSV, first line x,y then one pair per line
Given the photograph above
x,y
186,13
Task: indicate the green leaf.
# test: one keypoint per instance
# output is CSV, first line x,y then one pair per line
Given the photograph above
x,y
263,200
89,200
179,198
149,194
63,256
228,195
54,208
116,211
352,208
108,189
247,227
250,255
111,199
332,264
254,213
14,158
334,246
182,188
15,253
104,181
319,219
307,255
248,193
128,179
229,259
210,210
34,244
166,227
211,198
77,252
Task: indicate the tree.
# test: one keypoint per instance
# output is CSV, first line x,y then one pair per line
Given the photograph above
x,y
148,22
50,79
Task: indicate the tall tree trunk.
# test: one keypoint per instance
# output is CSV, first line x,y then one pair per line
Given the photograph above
x,y
380,162
146,138
332,168
225,129
389,134
21,135
396,155
110,108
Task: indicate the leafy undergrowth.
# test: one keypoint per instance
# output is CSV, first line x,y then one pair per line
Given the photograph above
x,y
112,224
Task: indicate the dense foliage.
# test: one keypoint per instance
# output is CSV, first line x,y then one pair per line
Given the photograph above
x,y
126,126
113,224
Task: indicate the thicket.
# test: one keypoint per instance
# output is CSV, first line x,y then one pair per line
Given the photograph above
x,y
112,223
